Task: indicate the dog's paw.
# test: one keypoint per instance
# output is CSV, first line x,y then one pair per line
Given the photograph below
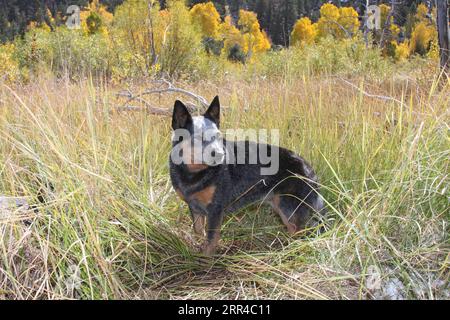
x,y
199,232
207,249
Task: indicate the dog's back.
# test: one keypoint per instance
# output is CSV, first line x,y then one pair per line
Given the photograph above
x,y
293,190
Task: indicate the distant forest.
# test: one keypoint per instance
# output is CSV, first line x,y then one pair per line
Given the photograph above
x,y
275,16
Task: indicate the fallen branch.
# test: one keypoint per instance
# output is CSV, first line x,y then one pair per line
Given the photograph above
x,y
164,87
150,110
375,96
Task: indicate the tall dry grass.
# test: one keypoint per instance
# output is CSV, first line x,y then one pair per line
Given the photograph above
x,y
112,227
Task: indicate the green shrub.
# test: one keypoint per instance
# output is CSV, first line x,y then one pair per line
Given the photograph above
x,y
236,54
65,52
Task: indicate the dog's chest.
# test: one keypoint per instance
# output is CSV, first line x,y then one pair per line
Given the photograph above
x,y
197,194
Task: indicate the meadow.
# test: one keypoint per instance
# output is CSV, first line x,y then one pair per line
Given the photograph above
x,y
112,226
87,210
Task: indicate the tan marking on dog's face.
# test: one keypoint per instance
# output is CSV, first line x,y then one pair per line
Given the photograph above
x,y
195,167
205,196
292,228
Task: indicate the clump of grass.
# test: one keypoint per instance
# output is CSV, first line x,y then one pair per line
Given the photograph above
x,y
112,227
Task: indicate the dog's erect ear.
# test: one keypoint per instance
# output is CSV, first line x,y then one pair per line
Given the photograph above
x,y
181,116
213,112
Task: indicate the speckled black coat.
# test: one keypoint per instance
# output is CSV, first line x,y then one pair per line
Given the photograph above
x,y
214,191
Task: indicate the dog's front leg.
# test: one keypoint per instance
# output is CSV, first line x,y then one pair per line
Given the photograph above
x,y
198,222
214,220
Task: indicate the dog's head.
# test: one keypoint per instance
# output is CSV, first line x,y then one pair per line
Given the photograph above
x,y
197,141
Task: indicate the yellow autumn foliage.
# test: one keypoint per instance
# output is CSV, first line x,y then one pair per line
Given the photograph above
x,y
394,30
50,18
422,13
304,32
34,26
348,19
230,35
95,18
384,11
424,35
433,52
327,24
337,22
140,39
206,16
401,50
138,32
181,45
255,40
9,68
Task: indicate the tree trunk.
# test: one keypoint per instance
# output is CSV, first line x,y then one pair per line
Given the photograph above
x,y
366,27
442,26
386,32
152,37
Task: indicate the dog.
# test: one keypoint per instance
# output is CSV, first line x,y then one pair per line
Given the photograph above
x,y
213,189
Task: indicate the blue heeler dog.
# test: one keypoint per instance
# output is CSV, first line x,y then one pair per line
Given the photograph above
x,y
214,188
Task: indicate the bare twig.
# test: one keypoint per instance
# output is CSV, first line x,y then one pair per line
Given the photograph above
x,y
347,33
375,96
161,86
387,24
172,88
150,110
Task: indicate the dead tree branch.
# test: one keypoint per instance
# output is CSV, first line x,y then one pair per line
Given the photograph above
x,y
160,87
443,34
149,110
385,31
375,96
